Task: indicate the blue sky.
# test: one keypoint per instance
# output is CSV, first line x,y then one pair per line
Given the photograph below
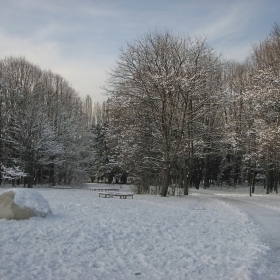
x,y
81,39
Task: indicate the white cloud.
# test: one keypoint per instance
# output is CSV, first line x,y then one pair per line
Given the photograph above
x,y
44,54
80,39
229,32
86,77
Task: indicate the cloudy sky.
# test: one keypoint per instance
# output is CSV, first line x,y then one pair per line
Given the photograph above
x,y
81,39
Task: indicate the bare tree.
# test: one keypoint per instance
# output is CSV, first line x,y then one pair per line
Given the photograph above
x,y
163,79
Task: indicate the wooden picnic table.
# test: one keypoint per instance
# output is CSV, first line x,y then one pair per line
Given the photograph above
x,y
103,194
119,194
122,195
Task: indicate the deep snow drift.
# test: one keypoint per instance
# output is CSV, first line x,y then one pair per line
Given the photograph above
x,y
147,237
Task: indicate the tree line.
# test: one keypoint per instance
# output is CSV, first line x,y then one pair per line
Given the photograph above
x,y
43,126
177,115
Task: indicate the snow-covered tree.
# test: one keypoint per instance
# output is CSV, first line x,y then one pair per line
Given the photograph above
x,y
43,126
163,82
12,173
263,92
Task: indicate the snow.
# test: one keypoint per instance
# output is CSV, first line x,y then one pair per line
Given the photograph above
x,y
147,237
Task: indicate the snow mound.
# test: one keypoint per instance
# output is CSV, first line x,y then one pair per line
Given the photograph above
x,y
22,204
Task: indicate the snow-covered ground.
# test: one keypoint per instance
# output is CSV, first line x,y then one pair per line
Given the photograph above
x,y
262,209
147,237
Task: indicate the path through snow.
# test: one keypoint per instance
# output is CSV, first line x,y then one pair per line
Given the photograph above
x,y
265,211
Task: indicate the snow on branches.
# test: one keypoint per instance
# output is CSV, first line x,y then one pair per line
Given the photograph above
x,y
12,173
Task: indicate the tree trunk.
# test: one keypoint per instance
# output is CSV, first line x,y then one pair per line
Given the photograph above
x,y
51,176
166,180
186,180
234,170
277,180
41,176
267,181
253,177
206,172
30,177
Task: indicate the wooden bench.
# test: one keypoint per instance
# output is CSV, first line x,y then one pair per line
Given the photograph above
x,y
103,194
122,195
62,187
103,190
